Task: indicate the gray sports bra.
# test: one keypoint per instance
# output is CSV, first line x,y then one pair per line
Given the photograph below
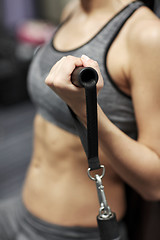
x,y
115,104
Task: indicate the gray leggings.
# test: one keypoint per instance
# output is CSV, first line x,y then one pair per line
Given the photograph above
x,y
16,223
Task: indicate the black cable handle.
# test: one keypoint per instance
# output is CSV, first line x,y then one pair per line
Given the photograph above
x,y
87,78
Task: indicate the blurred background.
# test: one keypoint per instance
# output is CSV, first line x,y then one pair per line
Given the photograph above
x,y
24,25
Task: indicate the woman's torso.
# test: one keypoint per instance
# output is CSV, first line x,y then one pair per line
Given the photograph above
x,y
57,188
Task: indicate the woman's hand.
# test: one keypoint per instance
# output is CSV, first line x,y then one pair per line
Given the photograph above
x,y
59,80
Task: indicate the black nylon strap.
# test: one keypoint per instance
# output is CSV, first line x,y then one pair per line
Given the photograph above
x,y
92,128
108,226
89,137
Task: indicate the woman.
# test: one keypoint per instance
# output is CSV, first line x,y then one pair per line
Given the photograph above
x,y
120,39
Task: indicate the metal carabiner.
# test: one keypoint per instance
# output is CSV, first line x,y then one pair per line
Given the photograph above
x,y
101,176
104,211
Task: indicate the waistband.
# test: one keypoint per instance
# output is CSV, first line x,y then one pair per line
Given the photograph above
x,y
53,231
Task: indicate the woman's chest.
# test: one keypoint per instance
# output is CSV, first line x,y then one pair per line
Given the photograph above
x,y
114,103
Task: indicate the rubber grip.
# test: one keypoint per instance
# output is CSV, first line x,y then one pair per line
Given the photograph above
x,y
108,228
84,76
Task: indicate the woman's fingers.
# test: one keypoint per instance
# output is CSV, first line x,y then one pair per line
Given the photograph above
x,y
59,80
62,71
60,74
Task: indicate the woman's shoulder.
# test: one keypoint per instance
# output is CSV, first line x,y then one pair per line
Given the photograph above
x,y
144,31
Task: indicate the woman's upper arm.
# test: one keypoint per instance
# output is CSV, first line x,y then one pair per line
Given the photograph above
x,y
145,84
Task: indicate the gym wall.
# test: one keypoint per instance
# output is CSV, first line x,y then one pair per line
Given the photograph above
x,y
51,9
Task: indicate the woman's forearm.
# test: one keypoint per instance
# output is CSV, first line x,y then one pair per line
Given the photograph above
x,y
135,163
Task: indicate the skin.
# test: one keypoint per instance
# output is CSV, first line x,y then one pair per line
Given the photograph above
x,y
57,188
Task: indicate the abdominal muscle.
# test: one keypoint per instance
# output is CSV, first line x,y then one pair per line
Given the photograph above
x,y
57,188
